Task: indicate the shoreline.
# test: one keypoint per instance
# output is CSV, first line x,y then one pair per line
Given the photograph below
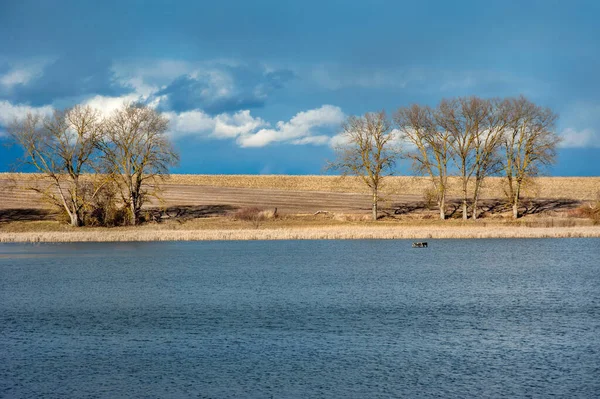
x,y
307,233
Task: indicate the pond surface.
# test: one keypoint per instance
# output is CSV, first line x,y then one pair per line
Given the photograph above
x,y
297,319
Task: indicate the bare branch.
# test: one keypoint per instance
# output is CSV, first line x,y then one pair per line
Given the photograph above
x,y
62,147
370,151
137,154
529,143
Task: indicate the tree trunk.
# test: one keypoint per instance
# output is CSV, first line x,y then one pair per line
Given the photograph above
x,y
475,201
465,214
374,210
516,202
442,205
75,220
134,217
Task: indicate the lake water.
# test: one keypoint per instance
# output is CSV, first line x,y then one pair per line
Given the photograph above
x,y
297,319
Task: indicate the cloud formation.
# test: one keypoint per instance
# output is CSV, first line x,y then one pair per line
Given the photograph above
x,y
9,112
65,79
20,75
222,126
222,88
298,130
572,138
307,127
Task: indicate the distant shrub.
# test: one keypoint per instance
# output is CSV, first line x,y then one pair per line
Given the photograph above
x,y
591,211
255,215
345,217
104,209
430,196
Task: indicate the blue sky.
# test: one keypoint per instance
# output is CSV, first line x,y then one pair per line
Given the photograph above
x,y
262,86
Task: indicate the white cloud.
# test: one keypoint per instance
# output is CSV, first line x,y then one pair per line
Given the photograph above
x,y
139,86
149,77
9,112
582,125
23,73
250,131
15,77
342,139
299,127
339,140
107,105
576,139
240,123
137,73
219,84
315,140
190,122
198,122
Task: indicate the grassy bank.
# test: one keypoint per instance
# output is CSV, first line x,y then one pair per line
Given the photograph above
x,y
204,207
297,232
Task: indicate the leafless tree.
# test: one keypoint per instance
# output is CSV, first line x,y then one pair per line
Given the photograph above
x,y
137,154
529,144
488,138
370,151
462,118
432,145
475,126
62,147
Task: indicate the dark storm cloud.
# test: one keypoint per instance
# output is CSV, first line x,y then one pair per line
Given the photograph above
x,y
67,77
223,89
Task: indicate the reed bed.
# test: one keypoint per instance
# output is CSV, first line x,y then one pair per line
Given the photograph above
x,y
321,233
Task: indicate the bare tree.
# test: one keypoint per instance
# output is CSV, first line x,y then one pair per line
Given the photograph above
x,y
370,151
475,126
62,147
529,143
431,156
462,118
137,154
488,138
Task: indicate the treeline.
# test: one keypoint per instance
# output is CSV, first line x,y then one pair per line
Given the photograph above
x,y
469,137
101,170
97,170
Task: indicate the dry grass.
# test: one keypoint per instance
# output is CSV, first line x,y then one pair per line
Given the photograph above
x,y
589,211
254,215
344,217
331,232
301,227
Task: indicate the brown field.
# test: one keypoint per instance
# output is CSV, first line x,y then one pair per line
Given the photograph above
x,y
578,188
193,207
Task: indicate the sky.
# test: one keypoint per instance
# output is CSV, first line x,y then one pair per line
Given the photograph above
x,y
262,87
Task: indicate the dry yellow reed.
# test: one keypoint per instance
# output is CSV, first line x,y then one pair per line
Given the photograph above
x,y
326,232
